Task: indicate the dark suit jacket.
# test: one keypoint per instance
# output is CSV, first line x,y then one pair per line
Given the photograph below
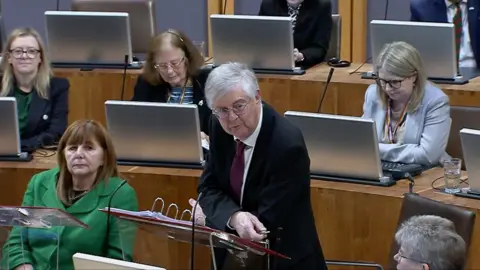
x,y
144,91
277,189
47,118
313,28
436,11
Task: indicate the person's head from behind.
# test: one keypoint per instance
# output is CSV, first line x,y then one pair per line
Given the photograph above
x,y
85,156
401,74
24,56
172,58
233,94
429,242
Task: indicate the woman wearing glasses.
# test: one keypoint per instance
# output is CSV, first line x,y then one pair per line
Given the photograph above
x,y
429,242
173,73
42,100
412,115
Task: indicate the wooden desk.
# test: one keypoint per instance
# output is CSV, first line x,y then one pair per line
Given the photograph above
x,y
90,89
354,222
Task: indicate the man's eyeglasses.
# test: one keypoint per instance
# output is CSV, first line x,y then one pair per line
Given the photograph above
x,y
31,53
175,64
395,84
238,108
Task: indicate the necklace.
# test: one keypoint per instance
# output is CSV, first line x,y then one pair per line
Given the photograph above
x,y
74,196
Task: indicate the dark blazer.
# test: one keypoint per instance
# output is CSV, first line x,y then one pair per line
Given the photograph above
x,y
47,118
313,28
436,11
144,91
277,190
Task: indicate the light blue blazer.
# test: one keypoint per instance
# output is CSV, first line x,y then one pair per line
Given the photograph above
x,y
426,130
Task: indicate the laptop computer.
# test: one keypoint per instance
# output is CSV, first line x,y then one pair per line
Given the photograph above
x,y
264,43
339,154
82,261
155,134
10,135
89,39
470,139
140,12
437,48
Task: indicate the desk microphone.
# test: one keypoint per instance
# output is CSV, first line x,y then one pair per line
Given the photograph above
x,y
108,212
325,87
411,182
192,248
125,66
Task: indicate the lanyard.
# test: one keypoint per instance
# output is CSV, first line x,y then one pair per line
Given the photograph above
x,y
184,90
392,131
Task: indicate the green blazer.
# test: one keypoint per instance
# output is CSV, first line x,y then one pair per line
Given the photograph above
x,y
40,245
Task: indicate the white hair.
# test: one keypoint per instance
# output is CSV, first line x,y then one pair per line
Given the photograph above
x,y
432,240
227,76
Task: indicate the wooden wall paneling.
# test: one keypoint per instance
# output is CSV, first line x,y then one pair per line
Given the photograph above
x,y
359,31
345,9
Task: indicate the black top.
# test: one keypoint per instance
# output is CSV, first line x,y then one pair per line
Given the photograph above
x,y
276,190
47,118
144,91
312,30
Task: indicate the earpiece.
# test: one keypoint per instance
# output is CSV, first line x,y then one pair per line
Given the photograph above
x,y
335,62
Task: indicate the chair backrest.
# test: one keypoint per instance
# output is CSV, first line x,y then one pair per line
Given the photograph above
x,y
462,117
335,38
414,205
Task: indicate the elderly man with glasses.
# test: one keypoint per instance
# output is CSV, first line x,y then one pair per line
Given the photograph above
x,y
429,242
257,180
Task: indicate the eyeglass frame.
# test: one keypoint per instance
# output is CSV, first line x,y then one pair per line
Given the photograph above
x,y
227,111
174,66
383,83
23,51
410,259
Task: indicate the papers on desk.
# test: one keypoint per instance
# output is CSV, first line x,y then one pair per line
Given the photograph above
x,y
147,214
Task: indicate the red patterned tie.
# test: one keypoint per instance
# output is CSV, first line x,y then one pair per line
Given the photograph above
x,y
458,23
237,170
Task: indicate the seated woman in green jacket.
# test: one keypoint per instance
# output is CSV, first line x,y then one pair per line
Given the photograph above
x,y
85,180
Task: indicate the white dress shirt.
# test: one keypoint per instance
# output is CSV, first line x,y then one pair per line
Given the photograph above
x,y
467,59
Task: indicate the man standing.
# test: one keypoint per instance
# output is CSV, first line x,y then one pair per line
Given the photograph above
x,y
464,14
257,178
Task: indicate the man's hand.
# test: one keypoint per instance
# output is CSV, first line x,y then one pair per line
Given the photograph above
x,y
297,55
199,218
248,226
204,136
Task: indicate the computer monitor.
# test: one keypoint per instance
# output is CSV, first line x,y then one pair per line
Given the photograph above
x,y
471,153
434,41
264,43
140,12
83,39
10,135
335,150
82,261
155,134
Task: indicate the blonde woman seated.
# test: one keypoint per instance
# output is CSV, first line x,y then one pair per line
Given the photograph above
x,y
42,99
412,115
429,242
85,180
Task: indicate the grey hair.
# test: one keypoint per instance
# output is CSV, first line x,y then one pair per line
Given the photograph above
x,y
227,76
432,240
